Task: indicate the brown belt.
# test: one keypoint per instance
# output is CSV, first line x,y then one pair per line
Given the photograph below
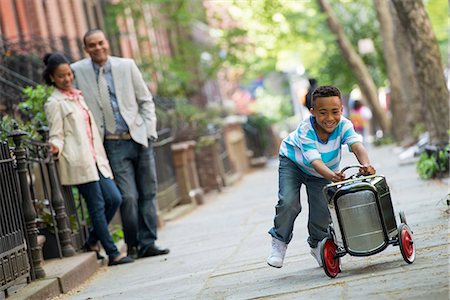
x,y
123,136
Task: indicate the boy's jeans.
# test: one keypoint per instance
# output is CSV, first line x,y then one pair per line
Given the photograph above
x,y
290,179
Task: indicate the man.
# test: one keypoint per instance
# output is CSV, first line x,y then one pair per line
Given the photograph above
x,y
124,112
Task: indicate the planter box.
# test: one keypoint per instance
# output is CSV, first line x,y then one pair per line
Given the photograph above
x,y
51,247
209,168
186,173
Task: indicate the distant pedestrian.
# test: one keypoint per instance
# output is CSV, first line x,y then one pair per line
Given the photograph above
x,y
310,155
82,161
360,116
123,107
311,88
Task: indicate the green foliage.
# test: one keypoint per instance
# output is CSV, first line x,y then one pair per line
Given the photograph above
x,y
418,130
116,232
193,122
33,106
32,113
260,125
274,107
45,218
298,30
438,14
180,71
385,140
434,164
7,124
204,141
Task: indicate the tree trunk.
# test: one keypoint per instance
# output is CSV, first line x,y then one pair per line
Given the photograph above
x,y
397,102
428,67
357,66
414,97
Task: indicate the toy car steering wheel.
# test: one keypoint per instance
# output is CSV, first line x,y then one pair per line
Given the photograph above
x,y
356,175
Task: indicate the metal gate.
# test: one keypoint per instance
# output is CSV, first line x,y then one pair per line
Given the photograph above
x,y
14,265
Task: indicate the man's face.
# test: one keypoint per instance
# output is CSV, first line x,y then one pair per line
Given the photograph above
x,y
328,111
97,47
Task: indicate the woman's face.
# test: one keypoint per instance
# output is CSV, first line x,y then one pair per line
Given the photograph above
x,y
63,77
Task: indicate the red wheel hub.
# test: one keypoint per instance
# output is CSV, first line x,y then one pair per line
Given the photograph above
x,y
407,242
331,262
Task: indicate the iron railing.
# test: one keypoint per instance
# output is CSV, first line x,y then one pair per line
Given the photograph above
x,y
168,193
58,218
228,167
14,261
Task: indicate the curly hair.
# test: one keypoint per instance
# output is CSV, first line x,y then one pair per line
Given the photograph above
x,y
325,91
52,61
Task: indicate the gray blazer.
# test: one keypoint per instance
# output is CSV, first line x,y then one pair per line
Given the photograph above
x,y
135,100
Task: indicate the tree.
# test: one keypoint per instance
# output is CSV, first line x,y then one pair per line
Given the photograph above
x,y
168,52
397,102
428,67
358,67
412,95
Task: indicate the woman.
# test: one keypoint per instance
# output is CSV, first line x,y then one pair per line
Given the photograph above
x,y
74,138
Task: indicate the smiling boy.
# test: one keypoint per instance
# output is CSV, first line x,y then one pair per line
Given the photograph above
x,y
310,155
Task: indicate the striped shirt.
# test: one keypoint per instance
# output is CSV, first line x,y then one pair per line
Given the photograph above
x,y
303,145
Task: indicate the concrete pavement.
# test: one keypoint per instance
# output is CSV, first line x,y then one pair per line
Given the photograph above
x,y
218,251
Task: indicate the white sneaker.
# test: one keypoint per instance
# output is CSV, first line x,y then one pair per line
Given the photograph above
x,y
315,252
278,252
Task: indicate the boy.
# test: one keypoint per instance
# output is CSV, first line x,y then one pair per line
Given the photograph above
x,y
310,155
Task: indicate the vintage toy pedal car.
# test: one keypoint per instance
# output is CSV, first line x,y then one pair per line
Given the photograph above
x,y
363,221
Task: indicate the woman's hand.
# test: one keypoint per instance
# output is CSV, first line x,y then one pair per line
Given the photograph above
x,y
367,170
54,149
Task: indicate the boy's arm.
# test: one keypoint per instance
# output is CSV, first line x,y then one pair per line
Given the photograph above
x,y
363,158
323,170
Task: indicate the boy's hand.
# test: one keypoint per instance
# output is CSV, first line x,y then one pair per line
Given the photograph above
x,y
337,176
367,170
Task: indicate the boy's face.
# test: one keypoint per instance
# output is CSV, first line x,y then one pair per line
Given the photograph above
x,y
328,112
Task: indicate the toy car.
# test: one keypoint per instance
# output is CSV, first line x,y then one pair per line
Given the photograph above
x,y
363,221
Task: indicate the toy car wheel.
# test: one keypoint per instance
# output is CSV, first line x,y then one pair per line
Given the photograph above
x,y
406,243
402,217
330,262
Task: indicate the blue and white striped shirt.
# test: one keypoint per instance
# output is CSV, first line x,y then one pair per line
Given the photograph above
x,y
303,145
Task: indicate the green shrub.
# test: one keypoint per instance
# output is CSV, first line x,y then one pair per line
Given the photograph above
x,y
32,108
433,164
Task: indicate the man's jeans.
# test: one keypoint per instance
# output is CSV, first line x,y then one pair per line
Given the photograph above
x,y
103,199
290,180
134,171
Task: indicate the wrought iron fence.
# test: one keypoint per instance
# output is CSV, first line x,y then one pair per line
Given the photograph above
x,y
14,261
223,155
59,221
168,194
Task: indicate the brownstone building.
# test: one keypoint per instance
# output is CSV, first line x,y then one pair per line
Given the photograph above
x,y
31,28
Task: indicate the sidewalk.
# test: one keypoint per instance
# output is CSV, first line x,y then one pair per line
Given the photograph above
x,y
218,251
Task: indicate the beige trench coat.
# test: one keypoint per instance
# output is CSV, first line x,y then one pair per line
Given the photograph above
x,y
68,133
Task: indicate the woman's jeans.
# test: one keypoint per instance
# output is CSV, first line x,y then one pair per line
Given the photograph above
x,y
103,199
134,171
290,180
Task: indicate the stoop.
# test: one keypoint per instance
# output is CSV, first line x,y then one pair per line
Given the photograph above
x,y
62,275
